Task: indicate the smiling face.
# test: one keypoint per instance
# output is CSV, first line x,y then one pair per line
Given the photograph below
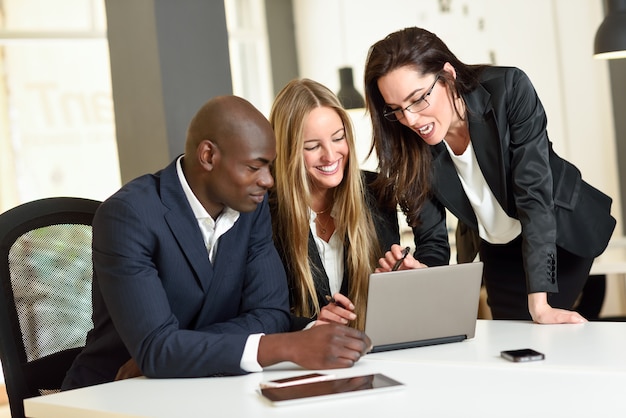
x,y
404,86
326,149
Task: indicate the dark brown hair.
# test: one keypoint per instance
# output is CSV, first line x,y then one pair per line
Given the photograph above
x,y
404,159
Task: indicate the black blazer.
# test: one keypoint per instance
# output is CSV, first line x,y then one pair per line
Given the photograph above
x,y
555,206
431,243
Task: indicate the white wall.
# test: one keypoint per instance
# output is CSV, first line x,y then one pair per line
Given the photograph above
x,y
549,39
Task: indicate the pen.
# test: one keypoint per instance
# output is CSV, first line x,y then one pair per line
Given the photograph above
x,y
405,252
331,299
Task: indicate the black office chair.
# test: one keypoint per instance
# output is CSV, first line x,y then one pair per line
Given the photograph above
x,y
45,293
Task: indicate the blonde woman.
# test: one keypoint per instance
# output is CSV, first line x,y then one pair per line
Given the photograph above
x,y
327,227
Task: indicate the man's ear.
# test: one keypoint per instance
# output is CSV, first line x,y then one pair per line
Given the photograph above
x,y
207,153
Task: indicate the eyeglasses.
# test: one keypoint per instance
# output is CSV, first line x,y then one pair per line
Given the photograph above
x,y
420,104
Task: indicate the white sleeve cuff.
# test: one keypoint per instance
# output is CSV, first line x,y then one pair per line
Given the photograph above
x,y
249,361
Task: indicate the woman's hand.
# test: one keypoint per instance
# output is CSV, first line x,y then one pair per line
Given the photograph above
x,y
340,310
543,313
393,255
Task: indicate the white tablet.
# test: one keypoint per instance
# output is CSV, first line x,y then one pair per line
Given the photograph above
x,y
332,388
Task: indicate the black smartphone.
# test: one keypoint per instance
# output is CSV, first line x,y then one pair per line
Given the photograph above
x,y
524,354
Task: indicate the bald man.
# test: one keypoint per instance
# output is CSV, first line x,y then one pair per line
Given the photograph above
x,y
187,282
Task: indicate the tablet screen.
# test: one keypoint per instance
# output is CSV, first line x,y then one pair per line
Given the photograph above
x,y
334,387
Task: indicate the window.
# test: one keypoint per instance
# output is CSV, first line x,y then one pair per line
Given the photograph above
x,y
249,52
57,126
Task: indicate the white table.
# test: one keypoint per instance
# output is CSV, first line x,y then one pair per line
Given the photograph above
x,y
593,346
584,374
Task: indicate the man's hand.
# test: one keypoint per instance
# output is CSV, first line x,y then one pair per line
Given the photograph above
x,y
329,346
128,370
543,313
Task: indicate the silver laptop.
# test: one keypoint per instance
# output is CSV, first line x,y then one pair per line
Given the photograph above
x,y
412,308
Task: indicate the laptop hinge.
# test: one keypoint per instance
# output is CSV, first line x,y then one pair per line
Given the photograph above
x,y
420,343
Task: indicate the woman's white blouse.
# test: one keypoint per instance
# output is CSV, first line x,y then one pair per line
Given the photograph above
x,y
494,225
331,253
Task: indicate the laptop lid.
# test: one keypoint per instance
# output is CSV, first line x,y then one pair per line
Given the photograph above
x,y
412,308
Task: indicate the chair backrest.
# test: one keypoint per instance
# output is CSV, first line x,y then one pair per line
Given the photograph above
x,y
45,293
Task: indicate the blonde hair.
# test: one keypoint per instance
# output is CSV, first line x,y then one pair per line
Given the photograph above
x,y
293,197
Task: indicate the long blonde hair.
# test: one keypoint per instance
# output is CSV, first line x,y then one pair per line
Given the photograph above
x,y
293,197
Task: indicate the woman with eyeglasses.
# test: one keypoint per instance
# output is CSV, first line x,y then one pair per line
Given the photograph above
x,y
327,227
474,136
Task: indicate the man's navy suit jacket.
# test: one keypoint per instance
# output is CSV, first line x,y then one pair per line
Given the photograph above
x,y
158,298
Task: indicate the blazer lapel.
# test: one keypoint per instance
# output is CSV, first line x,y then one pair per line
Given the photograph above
x,y
183,225
448,188
487,142
320,278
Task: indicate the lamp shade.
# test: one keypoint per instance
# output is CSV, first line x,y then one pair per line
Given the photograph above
x,y
348,95
610,40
